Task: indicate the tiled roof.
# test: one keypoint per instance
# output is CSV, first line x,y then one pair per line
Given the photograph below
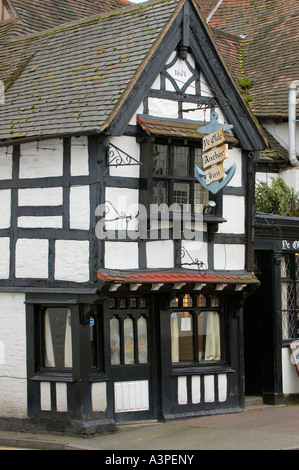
x,y
175,127
175,277
33,16
69,79
269,51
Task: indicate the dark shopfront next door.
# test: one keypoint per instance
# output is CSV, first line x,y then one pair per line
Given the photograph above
x,y
131,355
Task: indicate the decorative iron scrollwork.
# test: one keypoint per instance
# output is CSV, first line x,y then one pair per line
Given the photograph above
x,y
185,253
118,157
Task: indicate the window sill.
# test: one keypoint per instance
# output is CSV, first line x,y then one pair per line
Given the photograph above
x,y
44,376
201,369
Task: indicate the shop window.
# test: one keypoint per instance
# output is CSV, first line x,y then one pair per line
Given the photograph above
x,y
290,296
57,329
196,333
174,183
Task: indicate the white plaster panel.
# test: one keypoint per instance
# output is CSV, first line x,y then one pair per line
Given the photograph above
x,y
209,388
45,396
130,147
5,163
222,387
79,156
182,390
40,196
290,380
72,260
234,155
162,108
195,389
99,396
4,257
5,208
229,257
121,255
121,201
181,73
32,258
13,381
79,208
234,213
196,115
196,250
131,396
61,396
40,222
41,160
159,254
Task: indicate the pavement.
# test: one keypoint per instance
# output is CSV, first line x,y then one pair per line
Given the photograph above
x,y
259,427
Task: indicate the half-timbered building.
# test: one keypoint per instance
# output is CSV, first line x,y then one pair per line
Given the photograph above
x,y
126,255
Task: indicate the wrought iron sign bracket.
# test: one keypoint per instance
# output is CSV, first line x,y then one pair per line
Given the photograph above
x,y
117,157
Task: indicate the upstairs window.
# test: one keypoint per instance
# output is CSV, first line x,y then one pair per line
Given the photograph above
x,y
174,183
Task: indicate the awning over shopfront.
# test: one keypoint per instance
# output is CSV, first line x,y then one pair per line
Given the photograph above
x,y
177,280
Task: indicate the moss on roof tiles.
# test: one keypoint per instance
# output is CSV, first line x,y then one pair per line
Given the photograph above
x,y
69,63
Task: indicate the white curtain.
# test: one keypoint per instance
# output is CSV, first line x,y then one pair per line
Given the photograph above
x,y
49,352
174,337
212,350
68,360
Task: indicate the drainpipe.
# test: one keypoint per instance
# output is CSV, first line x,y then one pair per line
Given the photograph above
x,y
293,90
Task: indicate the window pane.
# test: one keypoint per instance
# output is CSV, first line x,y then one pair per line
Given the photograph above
x,y
142,340
160,192
58,338
128,341
181,161
181,194
209,336
181,337
160,163
114,341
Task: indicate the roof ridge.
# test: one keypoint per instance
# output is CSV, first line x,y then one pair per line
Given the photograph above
x,y
89,19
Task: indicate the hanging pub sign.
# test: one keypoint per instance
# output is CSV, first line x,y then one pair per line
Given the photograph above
x,y
214,177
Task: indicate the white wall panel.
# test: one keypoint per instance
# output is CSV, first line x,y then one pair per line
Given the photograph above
x,y
32,258
79,208
234,213
121,255
79,156
13,362
41,160
229,257
72,260
5,208
40,196
159,254
5,163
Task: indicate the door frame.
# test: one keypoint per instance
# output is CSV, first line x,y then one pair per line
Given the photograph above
x,y
133,372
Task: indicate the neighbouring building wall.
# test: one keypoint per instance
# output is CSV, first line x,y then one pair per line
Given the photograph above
x,y
13,373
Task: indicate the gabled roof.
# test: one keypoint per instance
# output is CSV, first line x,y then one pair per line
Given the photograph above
x,y
33,16
68,79
268,30
80,77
